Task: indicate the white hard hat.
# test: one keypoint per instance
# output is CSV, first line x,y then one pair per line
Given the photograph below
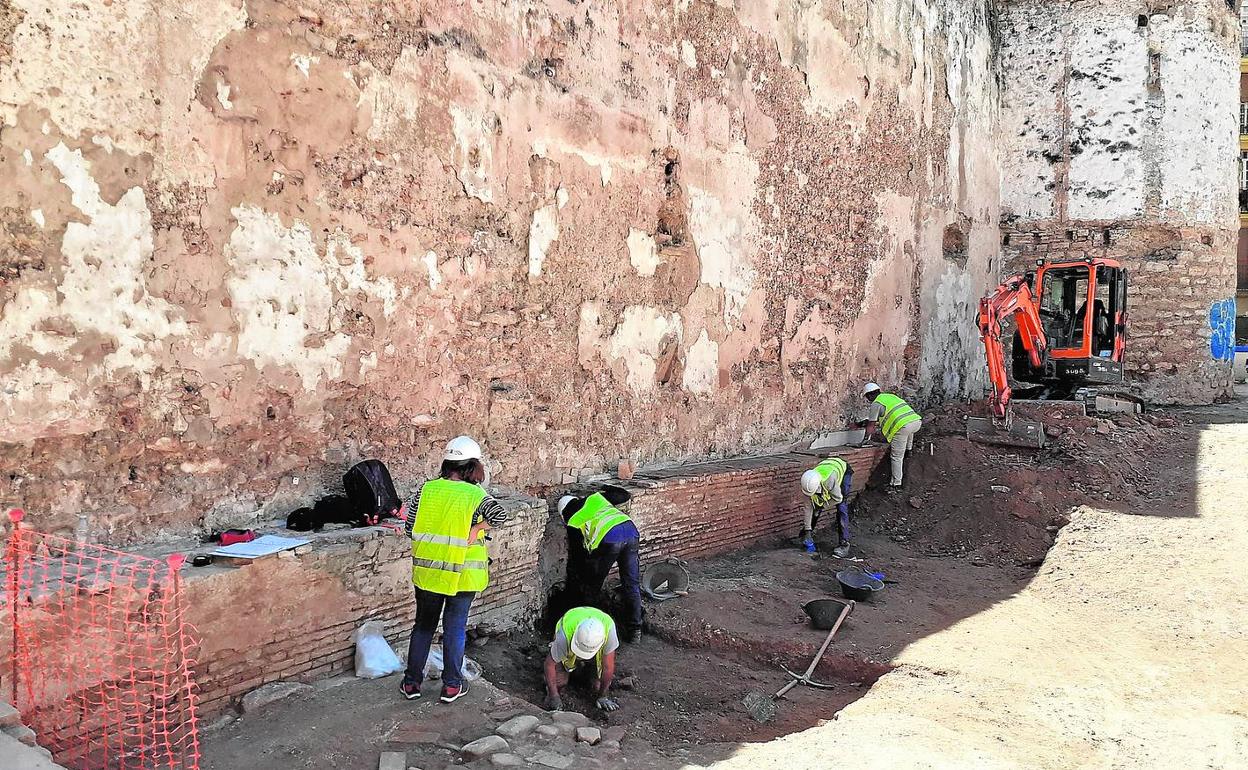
x,y
563,502
462,448
811,481
589,638
870,386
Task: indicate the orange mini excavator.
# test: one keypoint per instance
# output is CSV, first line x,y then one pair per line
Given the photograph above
x,y
1069,340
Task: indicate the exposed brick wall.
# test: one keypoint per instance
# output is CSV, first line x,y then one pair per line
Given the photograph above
x,y
1175,275
291,615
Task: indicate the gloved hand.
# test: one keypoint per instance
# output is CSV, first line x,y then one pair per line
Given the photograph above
x,y
553,703
608,704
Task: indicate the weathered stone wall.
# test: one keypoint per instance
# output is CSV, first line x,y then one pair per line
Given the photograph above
x,y
244,243
1118,137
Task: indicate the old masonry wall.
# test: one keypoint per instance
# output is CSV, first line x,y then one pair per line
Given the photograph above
x,y
1118,130
244,243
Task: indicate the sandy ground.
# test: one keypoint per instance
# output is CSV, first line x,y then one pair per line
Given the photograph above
x,y
1127,650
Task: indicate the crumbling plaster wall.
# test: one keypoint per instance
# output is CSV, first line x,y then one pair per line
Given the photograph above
x,y
1119,137
247,242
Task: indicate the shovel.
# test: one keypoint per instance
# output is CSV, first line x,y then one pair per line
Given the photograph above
x,y
763,708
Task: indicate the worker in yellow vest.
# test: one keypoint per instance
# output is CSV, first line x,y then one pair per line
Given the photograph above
x,y
825,485
582,634
897,421
446,522
601,535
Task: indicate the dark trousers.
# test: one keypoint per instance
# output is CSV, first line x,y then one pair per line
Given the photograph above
x,y
842,508
627,555
453,610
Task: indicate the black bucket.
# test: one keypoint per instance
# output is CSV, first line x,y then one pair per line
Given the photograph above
x,y
858,586
824,612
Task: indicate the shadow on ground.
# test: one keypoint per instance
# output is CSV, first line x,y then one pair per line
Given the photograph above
x,y
969,532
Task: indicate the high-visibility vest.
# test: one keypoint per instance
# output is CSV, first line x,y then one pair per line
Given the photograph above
x,y
567,626
595,519
443,561
897,415
827,469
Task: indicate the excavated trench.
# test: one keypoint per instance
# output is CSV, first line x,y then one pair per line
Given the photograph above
x,y
971,530
686,683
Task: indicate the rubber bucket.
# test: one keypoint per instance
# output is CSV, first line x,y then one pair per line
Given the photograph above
x,y
858,586
824,612
665,579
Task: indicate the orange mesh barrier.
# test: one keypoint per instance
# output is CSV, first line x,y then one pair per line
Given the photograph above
x,y
100,666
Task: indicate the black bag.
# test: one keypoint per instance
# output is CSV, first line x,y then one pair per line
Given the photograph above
x,y
371,492
333,509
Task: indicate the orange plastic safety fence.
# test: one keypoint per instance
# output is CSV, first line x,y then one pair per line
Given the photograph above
x,y
100,664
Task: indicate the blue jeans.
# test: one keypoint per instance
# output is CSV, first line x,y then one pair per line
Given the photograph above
x,y
627,555
454,613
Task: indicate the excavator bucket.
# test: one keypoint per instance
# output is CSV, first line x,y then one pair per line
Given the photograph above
x,y
1020,433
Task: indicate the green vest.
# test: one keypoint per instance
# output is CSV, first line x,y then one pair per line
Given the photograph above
x,y
897,415
595,519
442,559
833,466
567,626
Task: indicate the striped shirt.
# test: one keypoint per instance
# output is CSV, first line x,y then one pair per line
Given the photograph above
x,y
488,511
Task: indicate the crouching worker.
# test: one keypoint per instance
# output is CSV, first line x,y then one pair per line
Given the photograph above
x,y
825,485
446,523
607,537
581,635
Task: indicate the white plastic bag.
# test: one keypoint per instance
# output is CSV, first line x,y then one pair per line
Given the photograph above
x,y
433,666
373,656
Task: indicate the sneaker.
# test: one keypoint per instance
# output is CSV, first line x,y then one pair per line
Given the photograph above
x,y
410,690
841,551
893,489
452,694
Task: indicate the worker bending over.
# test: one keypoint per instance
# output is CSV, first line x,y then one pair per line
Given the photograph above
x,y
601,535
446,523
826,484
582,634
897,421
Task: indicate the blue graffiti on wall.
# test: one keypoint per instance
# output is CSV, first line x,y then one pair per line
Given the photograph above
x,y
1222,330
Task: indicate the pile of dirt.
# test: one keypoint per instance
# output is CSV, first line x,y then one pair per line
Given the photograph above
x,y
1003,505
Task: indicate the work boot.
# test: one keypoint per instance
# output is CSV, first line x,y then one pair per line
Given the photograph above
x,y
842,550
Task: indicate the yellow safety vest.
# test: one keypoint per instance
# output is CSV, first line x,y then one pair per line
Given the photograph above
x,y
443,561
567,626
897,415
833,466
595,519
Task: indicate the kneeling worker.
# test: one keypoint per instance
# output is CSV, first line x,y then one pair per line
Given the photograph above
x,y
826,484
897,421
584,633
609,537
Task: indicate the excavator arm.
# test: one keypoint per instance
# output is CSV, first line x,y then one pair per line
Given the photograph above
x,y
1012,299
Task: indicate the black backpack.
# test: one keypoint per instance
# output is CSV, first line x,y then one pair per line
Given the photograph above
x,y
371,492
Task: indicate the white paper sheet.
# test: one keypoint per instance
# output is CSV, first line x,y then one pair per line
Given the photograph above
x,y
261,546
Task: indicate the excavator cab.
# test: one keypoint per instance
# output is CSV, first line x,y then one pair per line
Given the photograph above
x,y
1083,312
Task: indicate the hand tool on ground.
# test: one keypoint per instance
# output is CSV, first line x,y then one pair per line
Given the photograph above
x,y
763,708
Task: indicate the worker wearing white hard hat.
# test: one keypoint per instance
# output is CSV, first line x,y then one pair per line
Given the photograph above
x,y
581,635
826,485
897,421
601,535
447,521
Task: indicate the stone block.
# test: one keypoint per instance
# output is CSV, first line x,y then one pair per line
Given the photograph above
x,y
590,735
483,747
550,731
553,759
271,693
574,718
519,726
9,715
392,760
22,733
507,760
